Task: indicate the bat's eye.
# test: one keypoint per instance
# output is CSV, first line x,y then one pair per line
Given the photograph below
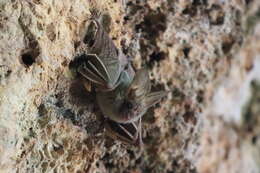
x,y
128,105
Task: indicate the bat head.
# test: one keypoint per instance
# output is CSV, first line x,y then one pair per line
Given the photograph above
x,y
139,97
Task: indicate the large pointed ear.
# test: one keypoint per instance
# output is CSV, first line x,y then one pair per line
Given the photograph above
x,y
154,97
140,85
90,36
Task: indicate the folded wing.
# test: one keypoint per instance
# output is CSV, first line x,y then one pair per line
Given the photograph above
x,y
106,65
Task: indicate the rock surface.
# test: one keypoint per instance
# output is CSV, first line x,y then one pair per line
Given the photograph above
x,y
207,53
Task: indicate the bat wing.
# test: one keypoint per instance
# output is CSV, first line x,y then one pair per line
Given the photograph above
x,y
106,63
94,70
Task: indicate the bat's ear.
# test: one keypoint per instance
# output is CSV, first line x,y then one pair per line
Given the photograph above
x,y
140,85
91,34
154,97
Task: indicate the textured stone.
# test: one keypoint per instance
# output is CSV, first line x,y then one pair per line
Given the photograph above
x,y
205,52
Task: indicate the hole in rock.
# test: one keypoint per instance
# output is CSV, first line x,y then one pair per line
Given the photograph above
x,y
27,59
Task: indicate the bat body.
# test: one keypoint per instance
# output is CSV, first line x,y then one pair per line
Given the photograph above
x,y
123,95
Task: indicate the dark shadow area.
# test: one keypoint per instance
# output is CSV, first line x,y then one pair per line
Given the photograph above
x,y
87,105
27,59
79,95
32,50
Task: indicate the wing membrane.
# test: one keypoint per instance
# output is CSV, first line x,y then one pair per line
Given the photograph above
x,y
103,46
126,133
94,70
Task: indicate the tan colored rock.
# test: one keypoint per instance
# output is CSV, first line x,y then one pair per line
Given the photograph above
x,y
204,52
230,137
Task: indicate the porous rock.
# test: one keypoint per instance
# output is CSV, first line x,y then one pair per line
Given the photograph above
x,y
205,52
